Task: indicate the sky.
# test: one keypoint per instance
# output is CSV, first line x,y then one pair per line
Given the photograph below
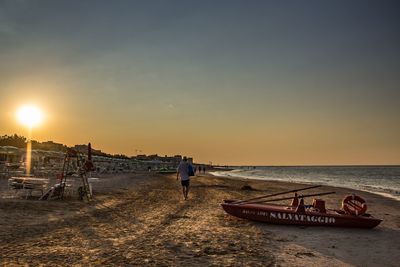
x,y
227,82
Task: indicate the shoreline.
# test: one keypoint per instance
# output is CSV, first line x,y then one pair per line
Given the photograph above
x,y
383,194
142,219
341,192
369,242
306,166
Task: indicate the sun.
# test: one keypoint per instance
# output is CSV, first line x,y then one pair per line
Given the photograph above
x,y
29,116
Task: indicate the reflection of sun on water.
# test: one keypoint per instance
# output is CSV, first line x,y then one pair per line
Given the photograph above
x,y
29,116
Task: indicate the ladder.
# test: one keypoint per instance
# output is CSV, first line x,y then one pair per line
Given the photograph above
x,y
84,191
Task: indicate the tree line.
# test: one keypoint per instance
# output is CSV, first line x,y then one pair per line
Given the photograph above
x,y
20,141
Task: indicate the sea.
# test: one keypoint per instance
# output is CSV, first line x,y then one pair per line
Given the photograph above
x,y
382,180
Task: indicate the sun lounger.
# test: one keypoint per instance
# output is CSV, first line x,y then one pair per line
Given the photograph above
x,y
28,184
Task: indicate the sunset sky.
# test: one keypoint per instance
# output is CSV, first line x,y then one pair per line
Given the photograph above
x,y
231,82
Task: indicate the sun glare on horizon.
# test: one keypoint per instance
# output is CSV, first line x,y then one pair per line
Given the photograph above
x,y
29,116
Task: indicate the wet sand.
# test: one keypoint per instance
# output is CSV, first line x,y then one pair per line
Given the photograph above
x,y
142,219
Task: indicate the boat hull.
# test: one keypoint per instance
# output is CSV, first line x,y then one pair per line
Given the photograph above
x,y
287,215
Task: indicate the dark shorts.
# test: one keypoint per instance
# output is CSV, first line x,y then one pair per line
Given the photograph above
x,y
185,182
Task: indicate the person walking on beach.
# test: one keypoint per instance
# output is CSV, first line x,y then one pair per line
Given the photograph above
x,y
183,172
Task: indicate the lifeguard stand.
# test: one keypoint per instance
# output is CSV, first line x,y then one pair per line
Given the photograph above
x,y
73,160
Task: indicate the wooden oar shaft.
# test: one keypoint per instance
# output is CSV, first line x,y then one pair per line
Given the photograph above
x,y
276,194
287,198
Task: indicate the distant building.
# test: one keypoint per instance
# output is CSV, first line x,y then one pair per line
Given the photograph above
x,y
51,146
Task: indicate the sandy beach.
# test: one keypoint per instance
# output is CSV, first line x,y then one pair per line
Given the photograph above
x,y
142,219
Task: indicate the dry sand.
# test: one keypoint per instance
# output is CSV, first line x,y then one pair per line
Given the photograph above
x,y
142,219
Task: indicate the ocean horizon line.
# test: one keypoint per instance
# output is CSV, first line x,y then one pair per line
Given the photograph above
x,y
313,165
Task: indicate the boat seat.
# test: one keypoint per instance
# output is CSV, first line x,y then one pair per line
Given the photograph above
x,y
319,205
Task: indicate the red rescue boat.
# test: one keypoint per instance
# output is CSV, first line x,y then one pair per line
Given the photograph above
x,y
352,214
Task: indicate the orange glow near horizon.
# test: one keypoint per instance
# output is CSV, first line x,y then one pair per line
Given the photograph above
x,y
220,83
29,116
219,141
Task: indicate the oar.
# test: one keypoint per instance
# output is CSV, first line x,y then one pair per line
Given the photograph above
x,y
276,194
286,198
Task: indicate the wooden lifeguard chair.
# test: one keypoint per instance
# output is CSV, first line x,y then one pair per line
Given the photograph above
x,y
82,167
